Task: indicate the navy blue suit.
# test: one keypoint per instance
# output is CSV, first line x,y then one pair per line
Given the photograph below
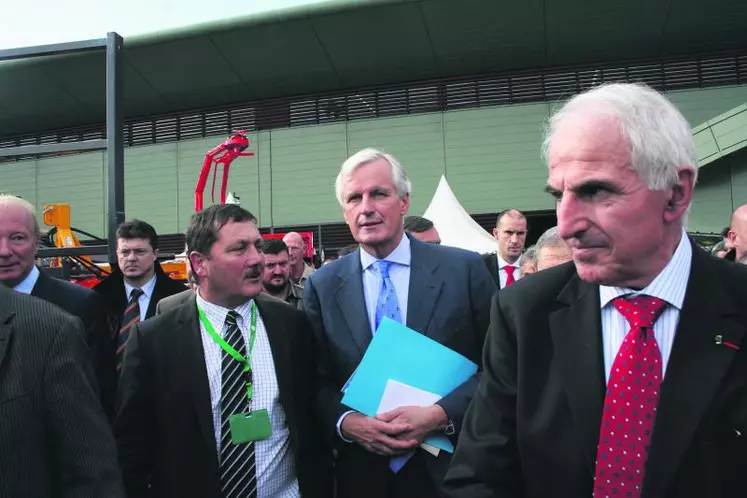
x,y
450,291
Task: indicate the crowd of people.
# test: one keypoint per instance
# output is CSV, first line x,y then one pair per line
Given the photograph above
x,y
609,353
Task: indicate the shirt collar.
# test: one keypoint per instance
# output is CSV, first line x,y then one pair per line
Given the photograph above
x,y
27,284
147,288
401,255
661,287
219,312
502,262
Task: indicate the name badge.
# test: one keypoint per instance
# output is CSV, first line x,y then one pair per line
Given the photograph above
x,y
248,427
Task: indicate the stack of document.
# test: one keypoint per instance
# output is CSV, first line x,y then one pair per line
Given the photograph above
x,y
403,367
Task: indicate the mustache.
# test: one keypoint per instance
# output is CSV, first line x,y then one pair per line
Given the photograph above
x,y
254,271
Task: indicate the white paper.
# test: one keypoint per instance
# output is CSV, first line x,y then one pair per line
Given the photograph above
x,y
397,394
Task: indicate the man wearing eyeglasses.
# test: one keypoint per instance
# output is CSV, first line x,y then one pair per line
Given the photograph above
x,y
135,287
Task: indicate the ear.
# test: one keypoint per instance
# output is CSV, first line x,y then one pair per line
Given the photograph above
x,y
199,264
155,252
732,235
680,195
495,233
405,204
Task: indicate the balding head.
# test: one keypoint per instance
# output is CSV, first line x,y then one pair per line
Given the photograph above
x,y
738,232
296,247
19,236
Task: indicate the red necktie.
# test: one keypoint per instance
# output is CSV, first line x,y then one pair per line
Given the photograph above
x,y
509,274
630,402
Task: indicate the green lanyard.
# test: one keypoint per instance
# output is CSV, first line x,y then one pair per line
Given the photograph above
x,y
230,350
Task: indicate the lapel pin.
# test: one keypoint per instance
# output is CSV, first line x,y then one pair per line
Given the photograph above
x,y
719,339
738,432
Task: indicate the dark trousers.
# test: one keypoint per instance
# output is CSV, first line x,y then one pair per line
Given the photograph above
x,y
372,478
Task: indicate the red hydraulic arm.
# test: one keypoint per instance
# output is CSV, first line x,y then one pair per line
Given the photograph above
x,y
224,154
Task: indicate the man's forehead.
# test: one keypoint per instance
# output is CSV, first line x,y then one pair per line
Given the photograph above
x,y
283,255
133,243
512,223
240,229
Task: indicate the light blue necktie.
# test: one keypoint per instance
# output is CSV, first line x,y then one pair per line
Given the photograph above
x,y
387,305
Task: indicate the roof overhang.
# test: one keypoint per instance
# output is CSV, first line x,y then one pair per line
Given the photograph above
x,y
342,45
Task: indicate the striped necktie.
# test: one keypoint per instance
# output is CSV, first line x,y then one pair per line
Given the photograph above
x,y
387,304
131,317
238,478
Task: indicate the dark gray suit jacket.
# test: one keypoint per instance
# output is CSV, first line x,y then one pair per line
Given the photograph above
x,y
449,301
173,301
533,427
54,437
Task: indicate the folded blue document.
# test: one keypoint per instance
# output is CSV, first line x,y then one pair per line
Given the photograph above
x,y
401,354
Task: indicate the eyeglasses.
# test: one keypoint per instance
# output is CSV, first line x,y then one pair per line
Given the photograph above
x,y
139,252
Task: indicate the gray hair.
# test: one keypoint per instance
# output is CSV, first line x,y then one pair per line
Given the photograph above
x,y
551,238
9,200
659,137
365,156
528,255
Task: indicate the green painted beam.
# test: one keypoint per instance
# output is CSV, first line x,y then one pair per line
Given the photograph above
x,y
720,136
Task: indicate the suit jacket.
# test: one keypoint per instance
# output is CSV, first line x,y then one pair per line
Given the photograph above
x,y
533,427
112,289
54,437
173,301
491,263
448,301
89,307
164,422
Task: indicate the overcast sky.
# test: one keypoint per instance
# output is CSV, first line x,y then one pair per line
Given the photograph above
x,y
38,22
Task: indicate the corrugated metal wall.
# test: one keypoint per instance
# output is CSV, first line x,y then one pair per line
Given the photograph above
x,y
490,156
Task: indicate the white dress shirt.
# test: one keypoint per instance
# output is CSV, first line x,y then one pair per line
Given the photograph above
x,y
276,475
399,274
502,274
27,284
144,299
669,286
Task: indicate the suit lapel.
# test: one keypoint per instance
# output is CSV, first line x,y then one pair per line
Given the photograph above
x,y
425,286
577,338
195,371
696,368
352,303
155,297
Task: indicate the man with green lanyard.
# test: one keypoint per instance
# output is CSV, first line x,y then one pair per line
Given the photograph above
x,y
216,394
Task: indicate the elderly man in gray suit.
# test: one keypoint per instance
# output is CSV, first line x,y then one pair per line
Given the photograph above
x,y
442,292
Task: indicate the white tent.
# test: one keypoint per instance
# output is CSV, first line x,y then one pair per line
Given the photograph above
x,y
455,226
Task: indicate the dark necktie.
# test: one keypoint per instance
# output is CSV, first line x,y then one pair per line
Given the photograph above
x,y
238,478
131,317
509,274
630,403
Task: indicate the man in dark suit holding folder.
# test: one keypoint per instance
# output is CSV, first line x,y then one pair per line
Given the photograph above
x,y
442,292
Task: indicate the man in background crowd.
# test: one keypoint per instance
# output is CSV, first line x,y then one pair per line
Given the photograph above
x,y
276,279
299,270
510,233
422,229
551,250
132,291
737,236
527,263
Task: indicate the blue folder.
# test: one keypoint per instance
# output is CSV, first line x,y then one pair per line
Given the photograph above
x,y
399,353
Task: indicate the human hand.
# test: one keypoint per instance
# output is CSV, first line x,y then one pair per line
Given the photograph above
x,y
378,436
421,421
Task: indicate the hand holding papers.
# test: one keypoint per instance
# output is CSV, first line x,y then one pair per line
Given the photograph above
x,y
410,369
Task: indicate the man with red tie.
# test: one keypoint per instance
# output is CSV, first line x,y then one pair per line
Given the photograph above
x,y
510,233
620,374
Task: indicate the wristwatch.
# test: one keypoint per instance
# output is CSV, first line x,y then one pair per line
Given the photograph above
x,y
449,430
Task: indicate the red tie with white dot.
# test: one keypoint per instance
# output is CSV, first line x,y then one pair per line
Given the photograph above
x,y
630,403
